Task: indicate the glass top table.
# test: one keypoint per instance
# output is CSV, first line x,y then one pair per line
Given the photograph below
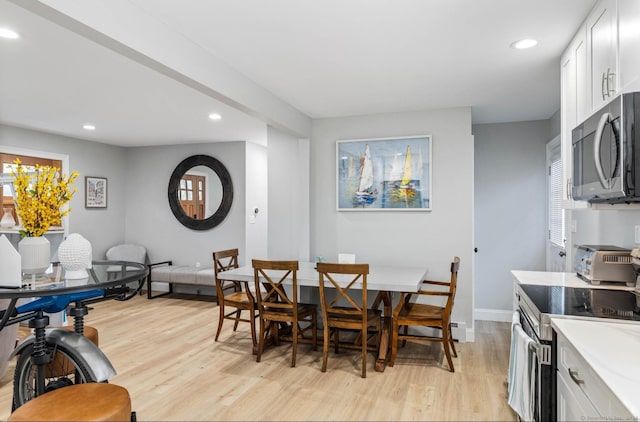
x,y
119,272
103,275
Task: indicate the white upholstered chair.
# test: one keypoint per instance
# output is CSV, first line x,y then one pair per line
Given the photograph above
x,y
125,252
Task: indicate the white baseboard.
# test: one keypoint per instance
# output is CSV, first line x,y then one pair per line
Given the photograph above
x,y
493,315
184,288
470,335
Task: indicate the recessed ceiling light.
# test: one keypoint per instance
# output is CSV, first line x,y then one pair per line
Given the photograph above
x,y
215,116
522,44
88,126
8,33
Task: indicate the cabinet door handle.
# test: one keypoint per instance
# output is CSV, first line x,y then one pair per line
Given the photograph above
x,y
604,88
574,376
610,76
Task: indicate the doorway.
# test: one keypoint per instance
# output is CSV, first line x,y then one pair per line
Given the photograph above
x,y
556,253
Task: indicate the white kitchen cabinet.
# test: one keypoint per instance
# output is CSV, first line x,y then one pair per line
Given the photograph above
x,y
581,394
602,54
572,404
601,61
629,45
575,105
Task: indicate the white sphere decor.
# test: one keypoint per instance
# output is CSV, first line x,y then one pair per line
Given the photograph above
x,y
75,256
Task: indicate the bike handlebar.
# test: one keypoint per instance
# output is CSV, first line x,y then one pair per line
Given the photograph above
x,y
57,303
53,304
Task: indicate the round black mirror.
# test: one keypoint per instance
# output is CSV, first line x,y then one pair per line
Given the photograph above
x,y
199,198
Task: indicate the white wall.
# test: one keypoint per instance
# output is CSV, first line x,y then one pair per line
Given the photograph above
x,y
605,227
428,239
102,227
510,208
257,188
149,220
288,235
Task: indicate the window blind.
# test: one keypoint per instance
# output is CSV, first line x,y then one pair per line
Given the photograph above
x,y
556,214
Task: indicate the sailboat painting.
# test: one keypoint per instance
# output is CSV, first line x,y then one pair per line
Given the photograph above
x,y
384,174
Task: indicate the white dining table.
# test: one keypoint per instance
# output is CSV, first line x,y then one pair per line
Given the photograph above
x,y
385,279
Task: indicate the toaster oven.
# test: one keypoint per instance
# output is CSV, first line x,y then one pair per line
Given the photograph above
x,y
598,263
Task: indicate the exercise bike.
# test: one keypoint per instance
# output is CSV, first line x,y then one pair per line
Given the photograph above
x,y
53,358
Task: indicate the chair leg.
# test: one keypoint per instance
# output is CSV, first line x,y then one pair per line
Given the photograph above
x,y
445,344
363,333
453,347
220,320
325,346
336,340
252,326
261,340
237,319
294,347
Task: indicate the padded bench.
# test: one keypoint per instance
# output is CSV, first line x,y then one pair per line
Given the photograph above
x,y
178,274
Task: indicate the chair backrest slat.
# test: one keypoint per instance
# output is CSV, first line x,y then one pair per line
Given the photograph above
x,y
333,276
270,278
453,284
225,260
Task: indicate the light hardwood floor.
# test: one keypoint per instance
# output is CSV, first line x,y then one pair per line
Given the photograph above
x,y
164,353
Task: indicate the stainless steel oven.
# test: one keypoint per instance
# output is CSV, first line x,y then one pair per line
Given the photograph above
x,y
537,304
542,335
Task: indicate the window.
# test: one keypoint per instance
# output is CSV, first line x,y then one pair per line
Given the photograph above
x,y
8,162
556,214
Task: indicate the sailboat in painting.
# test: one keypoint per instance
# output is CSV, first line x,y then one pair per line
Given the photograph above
x,y
365,195
405,192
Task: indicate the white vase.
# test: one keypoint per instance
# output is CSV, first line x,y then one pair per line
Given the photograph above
x,y
75,256
7,221
35,252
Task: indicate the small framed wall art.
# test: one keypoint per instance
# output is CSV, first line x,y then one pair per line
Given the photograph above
x,y
95,192
384,174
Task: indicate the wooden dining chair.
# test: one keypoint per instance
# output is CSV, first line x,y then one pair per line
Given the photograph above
x,y
233,294
408,313
347,309
276,307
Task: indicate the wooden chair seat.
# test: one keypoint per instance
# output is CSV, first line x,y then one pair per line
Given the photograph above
x,y
409,313
420,312
354,322
238,300
304,309
81,402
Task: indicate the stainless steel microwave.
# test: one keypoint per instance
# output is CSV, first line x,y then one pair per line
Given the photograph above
x,y
606,153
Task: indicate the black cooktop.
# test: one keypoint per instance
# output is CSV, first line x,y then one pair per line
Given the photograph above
x,y
600,303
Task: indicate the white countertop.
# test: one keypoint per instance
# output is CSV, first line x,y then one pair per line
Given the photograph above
x,y
547,278
612,349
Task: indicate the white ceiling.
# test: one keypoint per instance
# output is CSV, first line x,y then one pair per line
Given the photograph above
x,y
326,58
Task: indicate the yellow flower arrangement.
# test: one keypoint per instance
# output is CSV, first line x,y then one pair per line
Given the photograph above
x,y
39,197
